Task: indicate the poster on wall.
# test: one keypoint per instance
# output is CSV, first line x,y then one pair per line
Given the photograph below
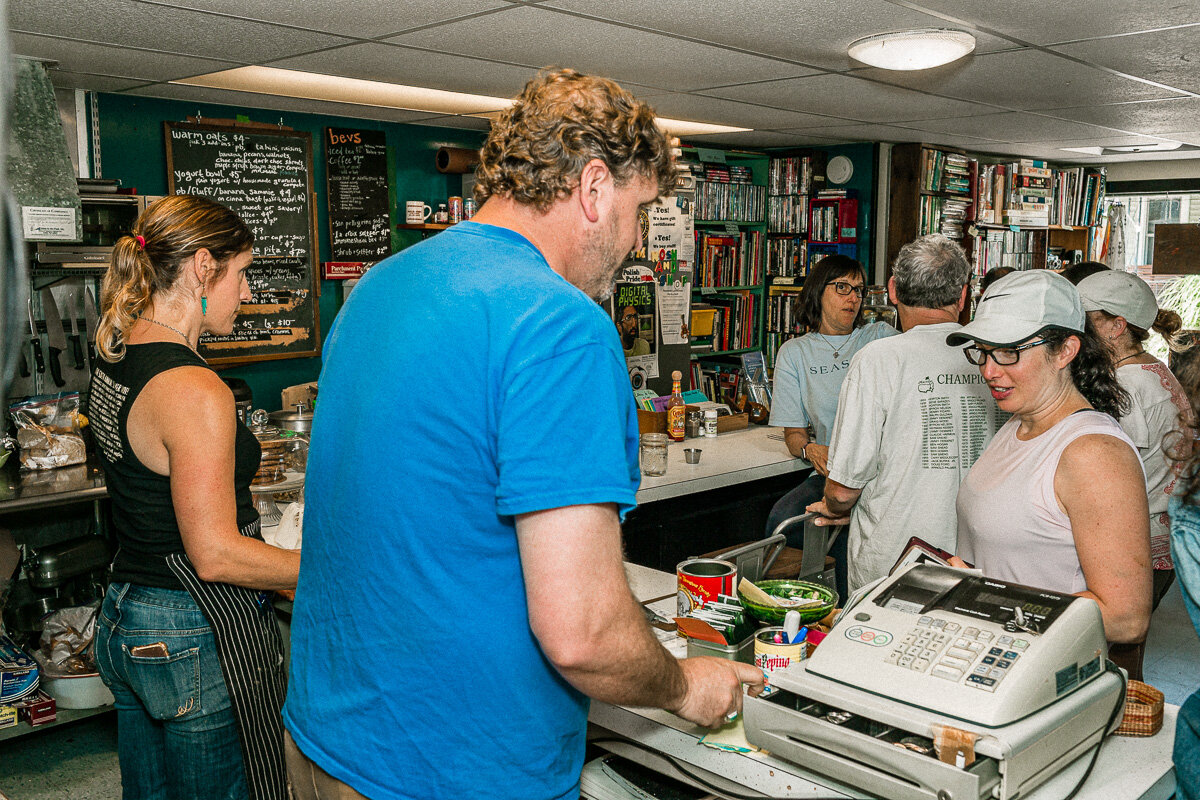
x,y
635,313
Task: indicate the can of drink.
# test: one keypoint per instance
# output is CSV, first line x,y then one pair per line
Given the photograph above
x,y
770,655
468,208
700,580
456,209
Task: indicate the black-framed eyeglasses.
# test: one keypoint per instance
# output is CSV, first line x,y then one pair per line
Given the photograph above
x,y
843,288
627,317
1004,356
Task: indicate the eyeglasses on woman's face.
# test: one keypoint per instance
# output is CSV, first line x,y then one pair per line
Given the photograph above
x,y
1004,356
843,288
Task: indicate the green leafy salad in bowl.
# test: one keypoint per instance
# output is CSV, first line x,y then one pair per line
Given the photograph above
x,y
813,600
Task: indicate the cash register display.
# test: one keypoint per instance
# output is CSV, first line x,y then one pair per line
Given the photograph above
x,y
921,591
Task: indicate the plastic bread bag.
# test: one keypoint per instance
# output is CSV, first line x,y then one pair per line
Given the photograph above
x,y
48,431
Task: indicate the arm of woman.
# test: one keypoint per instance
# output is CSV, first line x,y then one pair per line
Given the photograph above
x,y
1100,485
198,429
795,439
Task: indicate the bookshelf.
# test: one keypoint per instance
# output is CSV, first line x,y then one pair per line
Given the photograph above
x,y
730,260
931,192
792,178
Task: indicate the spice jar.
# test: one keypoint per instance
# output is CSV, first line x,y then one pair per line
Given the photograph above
x,y
710,423
693,424
652,454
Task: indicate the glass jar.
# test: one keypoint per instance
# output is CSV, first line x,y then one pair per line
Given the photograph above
x,y
876,307
652,454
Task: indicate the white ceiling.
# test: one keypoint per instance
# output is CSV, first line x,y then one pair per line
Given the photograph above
x,y
1045,75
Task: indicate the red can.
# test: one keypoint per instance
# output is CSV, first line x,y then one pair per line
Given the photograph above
x,y
702,579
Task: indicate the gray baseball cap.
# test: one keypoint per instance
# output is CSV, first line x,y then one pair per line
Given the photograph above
x,y
1020,306
1120,294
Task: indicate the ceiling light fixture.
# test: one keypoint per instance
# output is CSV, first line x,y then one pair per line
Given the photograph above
x,y
912,50
334,89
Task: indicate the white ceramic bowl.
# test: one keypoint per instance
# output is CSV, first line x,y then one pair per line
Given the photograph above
x,y
78,691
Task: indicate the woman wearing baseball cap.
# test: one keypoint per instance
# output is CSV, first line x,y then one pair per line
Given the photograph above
x,y
1122,309
1058,498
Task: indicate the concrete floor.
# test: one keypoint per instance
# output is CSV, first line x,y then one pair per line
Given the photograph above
x,y
79,761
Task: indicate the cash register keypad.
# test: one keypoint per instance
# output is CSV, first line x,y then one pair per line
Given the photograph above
x,y
948,651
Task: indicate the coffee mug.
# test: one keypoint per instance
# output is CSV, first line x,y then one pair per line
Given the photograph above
x,y
416,212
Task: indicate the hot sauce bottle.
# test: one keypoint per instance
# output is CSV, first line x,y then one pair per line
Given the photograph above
x,y
676,411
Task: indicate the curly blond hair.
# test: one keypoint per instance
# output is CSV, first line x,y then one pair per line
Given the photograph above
x,y
148,260
561,121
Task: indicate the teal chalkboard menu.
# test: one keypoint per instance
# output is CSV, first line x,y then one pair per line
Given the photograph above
x,y
356,177
265,175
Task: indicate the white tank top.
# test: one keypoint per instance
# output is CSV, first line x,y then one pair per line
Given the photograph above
x,y
1009,522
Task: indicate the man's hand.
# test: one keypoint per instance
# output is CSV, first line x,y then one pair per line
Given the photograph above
x,y
827,517
713,689
818,456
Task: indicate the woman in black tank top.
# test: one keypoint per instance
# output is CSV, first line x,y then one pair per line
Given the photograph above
x,y
187,639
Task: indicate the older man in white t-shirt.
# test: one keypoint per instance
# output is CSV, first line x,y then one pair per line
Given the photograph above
x,y
913,416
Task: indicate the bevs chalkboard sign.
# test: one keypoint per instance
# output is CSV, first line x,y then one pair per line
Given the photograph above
x,y
265,176
356,178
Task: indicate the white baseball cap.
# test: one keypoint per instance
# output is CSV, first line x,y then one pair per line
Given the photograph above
x,y
1021,305
1122,295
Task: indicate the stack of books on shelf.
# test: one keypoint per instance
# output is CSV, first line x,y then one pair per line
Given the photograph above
x,y
945,172
1030,186
826,227
791,175
1078,198
718,381
739,202
733,322
944,215
1032,193
1004,248
787,257
787,213
724,259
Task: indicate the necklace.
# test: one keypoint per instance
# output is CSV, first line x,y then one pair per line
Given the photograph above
x,y
182,335
1126,358
829,343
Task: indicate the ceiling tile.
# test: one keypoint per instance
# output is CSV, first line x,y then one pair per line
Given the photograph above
x,y
383,62
1015,127
699,108
1169,57
1187,137
1024,80
846,96
112,62
93,83
1155,116
815,32
202,94
763,139
1046,23
869,133
131,24
616,52
367,19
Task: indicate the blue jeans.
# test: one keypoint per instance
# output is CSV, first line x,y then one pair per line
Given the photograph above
x,y
1185,552
794,503
176,734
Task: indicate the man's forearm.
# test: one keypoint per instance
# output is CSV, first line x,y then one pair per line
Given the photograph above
x,y
840,499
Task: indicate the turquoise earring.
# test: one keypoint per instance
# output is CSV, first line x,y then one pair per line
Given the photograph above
x,y
204,305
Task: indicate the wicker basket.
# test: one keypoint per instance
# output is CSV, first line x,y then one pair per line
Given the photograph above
x,y
1143,711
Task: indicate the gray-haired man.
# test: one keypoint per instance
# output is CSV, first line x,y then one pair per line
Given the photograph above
x,y
913,416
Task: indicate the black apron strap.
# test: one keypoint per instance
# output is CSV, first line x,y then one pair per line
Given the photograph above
x,y
250,649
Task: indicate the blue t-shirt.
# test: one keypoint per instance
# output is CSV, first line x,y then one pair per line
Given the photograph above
x,y
808,377
464,383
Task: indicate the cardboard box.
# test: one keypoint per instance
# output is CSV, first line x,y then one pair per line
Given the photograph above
x,y
8,717
656,421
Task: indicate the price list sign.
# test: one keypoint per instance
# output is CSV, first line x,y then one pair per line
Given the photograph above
x,y
265,176
356,178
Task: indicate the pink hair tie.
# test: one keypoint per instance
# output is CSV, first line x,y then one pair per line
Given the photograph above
x,y
141,240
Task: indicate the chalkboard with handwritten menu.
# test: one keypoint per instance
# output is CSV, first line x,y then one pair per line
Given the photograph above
x,y
265,176
356,178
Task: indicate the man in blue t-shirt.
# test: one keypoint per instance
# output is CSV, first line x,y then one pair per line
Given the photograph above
x,y
461,591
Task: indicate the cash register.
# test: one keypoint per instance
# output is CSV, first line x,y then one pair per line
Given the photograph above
x,y
1020,671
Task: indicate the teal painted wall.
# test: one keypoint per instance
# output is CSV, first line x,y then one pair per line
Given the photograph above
x,y
863,156
132,148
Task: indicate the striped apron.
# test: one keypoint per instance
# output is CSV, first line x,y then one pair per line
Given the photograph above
x,y
250,649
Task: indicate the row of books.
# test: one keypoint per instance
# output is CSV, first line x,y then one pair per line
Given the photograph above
x,y
721,382
739,202
783,313
1005,248
722,173
787,214
944,215
1032,193
825,224
734,323
791,175
724,259
787,257
945,172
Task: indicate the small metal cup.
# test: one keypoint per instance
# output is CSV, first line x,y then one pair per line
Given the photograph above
x,y
691,455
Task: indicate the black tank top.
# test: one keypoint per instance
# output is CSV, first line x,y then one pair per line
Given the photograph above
x,y
142,510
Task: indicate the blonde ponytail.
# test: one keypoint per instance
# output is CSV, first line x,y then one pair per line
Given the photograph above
x,y
124,293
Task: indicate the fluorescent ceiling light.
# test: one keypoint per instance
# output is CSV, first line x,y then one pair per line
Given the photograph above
x,y
1149,147
334,89
911,50
1088,151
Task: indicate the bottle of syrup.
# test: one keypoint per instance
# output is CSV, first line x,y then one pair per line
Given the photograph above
x,y
676,411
